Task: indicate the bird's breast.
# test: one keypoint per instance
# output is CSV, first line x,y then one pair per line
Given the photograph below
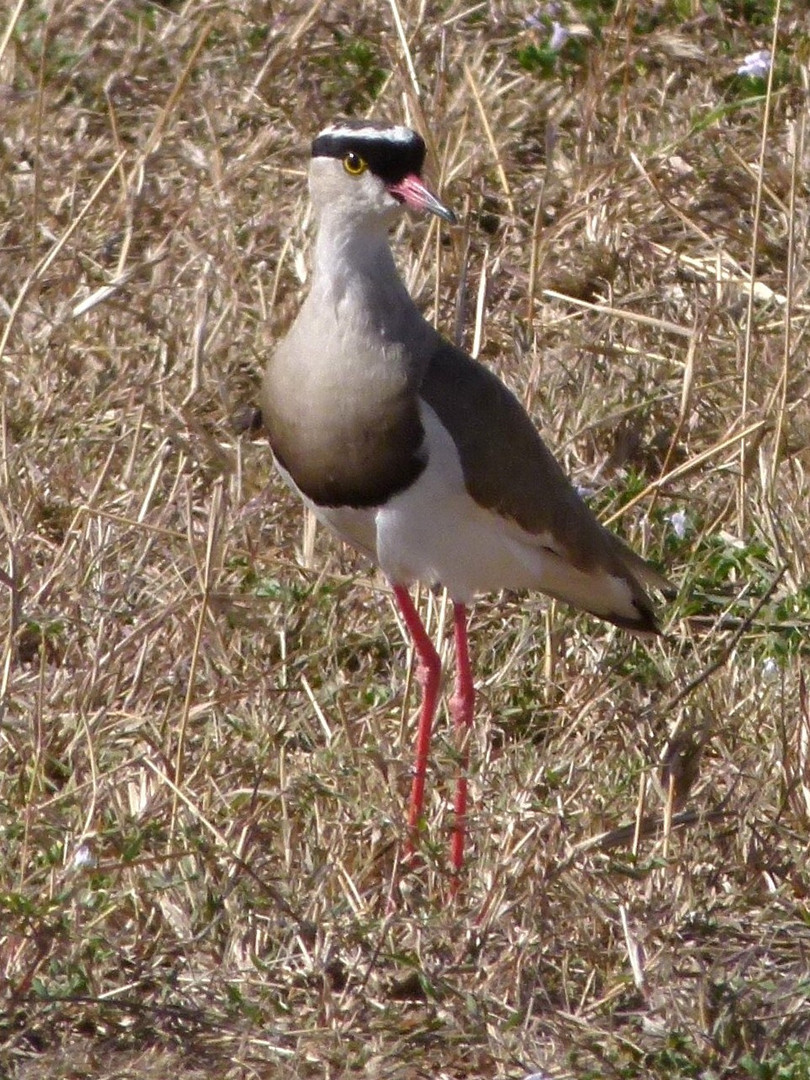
x,y
343,423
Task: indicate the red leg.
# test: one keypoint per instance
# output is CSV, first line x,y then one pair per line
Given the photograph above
x,y
461,708
429,674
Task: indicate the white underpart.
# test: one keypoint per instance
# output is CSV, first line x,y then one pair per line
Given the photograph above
x,y
435,532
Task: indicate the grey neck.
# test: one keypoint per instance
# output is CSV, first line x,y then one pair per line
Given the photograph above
x,y
354,270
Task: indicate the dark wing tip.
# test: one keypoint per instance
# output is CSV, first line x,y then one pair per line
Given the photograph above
x,y
645,623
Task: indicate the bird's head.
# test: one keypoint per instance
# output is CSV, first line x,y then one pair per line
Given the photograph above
x,y
367,172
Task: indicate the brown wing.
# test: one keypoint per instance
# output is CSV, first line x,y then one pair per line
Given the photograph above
x,y
508,469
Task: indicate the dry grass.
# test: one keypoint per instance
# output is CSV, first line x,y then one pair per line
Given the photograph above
x,y
204,727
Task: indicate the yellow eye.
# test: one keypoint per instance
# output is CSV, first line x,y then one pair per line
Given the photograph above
x,y
354,164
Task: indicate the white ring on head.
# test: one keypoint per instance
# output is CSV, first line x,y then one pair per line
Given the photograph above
x,y
396,133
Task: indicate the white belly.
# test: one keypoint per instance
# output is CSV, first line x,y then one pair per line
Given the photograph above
x,y
436,533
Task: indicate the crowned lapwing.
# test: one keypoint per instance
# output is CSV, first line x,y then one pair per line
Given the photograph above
x,y
415,453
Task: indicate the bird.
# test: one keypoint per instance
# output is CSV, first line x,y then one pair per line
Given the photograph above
x,y
416,454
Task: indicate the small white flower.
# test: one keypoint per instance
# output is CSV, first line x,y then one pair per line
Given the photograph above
x,y
679,523
559,35
756,65
770,670
83,859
